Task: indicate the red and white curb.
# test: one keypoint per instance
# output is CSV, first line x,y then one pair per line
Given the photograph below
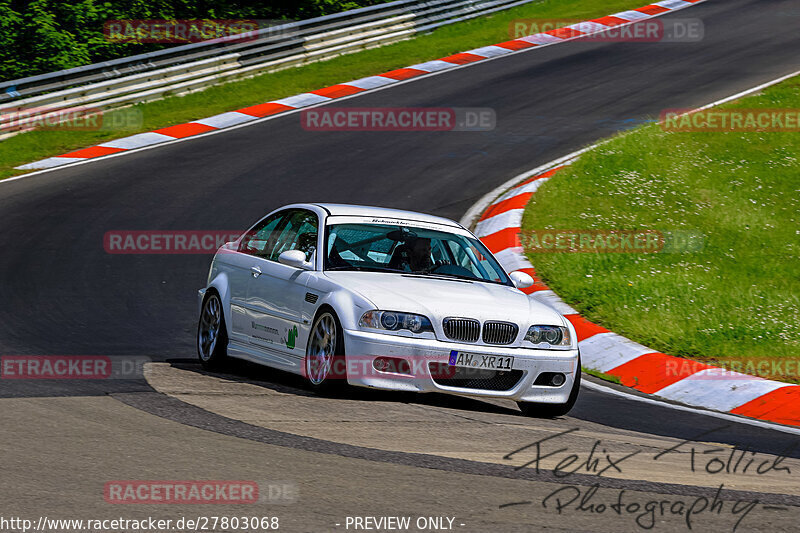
x,y
637,366
328,94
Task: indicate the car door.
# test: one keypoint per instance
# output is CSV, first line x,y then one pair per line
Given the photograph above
x,y
241,271
276,292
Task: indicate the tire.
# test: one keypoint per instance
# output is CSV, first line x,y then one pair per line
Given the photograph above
x,y
212,336
553,410
324,364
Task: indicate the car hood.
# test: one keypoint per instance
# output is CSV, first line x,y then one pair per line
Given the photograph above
x,y
439,298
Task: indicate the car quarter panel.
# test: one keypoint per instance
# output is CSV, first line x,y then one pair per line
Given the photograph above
x,y
348,304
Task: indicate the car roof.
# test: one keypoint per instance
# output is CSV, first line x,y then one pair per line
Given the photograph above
x,y
367,211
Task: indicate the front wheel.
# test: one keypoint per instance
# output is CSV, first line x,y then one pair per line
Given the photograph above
x,y
212,338
553,410
324,364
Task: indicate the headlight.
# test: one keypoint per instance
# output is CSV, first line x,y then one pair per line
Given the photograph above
x,y
548,337
395,321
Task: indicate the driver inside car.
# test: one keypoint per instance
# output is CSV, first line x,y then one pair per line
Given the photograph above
x,y
413,257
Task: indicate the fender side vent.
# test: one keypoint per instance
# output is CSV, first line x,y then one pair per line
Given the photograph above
x,y
311,297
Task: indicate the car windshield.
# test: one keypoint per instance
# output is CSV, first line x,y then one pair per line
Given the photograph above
x,y
411,250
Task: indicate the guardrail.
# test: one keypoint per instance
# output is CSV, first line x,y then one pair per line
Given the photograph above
x,y
92,89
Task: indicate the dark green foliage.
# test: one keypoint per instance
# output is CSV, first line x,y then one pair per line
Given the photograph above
x,y
38,36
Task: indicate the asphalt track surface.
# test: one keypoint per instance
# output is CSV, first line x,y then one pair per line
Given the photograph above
x,y
63,294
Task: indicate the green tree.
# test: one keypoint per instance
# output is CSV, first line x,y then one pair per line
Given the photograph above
x,y
38,36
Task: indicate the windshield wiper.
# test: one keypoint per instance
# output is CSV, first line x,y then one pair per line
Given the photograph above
x,y
443,277
357,268
454,277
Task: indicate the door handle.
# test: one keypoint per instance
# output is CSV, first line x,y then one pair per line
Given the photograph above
x,y
255,271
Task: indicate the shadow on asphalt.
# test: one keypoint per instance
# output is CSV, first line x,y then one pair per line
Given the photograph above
x,y
285,382
592,406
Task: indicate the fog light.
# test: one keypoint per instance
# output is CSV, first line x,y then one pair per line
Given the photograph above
x,y
557,380
393,365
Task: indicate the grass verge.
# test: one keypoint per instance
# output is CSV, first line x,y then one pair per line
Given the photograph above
x,y
734,303
32,146
602,375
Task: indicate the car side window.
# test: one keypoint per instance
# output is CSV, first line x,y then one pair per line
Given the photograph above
x,y
261,238
299,233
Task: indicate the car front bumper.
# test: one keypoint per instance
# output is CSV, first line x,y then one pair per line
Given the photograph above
x,y
362,348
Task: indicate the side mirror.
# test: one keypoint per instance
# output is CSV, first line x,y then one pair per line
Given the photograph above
x,y
520,279
296,259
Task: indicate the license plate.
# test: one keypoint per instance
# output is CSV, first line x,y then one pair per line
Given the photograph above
x,y
476,360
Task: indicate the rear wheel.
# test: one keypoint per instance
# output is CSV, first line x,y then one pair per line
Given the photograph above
x,y
552,410
212,338
324,364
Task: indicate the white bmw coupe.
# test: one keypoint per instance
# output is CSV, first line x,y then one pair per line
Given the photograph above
x,y
386,299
